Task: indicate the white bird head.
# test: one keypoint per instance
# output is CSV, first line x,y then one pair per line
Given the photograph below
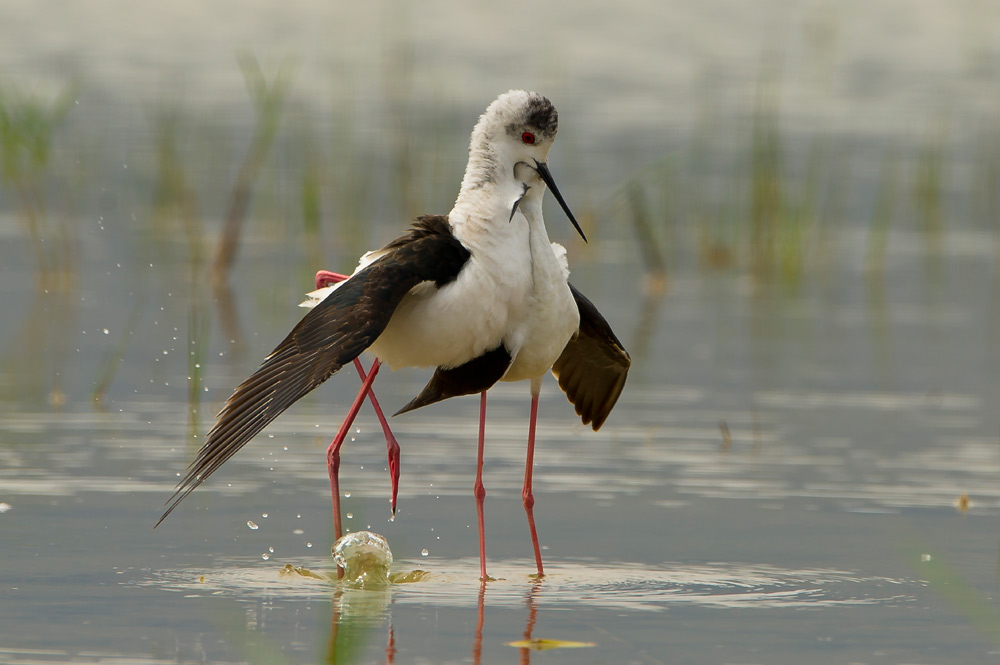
x,y
510,144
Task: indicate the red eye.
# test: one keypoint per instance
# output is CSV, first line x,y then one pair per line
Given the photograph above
x,y
528,138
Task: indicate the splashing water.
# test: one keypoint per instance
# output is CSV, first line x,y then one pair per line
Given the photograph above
x,y
365,558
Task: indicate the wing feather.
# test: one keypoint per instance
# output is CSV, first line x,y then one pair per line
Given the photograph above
x,y
593,367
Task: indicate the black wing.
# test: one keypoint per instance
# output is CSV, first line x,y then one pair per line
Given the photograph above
x,y
469,378
332,334
594,365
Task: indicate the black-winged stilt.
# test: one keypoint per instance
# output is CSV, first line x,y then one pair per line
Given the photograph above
x,y
481,294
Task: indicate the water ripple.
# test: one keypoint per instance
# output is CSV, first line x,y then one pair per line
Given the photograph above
x,y
622,586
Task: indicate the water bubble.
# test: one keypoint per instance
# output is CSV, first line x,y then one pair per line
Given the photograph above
x,y
251,524
424,552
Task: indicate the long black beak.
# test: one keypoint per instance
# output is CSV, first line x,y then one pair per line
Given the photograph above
x,y
543,170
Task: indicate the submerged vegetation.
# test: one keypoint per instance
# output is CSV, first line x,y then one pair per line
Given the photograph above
x,y
28,127
779,215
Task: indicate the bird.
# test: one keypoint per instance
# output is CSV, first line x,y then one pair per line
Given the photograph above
x,y
480,294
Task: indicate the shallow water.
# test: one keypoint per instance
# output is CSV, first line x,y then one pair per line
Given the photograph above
x,y
825,529
800,469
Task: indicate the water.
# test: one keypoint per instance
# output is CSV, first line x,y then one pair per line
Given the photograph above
x,y
365,558
803,466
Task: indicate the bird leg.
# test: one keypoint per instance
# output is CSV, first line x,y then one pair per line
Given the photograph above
x,y
391,445
479,489
526,496
325,278
333,451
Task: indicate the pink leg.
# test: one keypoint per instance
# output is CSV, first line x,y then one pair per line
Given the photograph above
x,y
479,489
333,452
325,278
526,495
391,445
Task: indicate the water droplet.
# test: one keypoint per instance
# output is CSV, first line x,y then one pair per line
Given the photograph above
x,y
298,532
424,552
299,516
252,525
264,515
392,518
926,557
309,544
265,556
350,516
107,332
347,495
271,550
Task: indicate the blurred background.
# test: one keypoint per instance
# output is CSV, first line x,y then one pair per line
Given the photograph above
x,y
794,214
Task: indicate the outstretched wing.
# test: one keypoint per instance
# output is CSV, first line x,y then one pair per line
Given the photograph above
x,y
594,365
332,334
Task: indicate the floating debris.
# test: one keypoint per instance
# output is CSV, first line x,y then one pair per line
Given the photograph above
x,y
538,644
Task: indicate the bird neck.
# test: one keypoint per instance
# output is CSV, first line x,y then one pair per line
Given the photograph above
x,y
484,205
